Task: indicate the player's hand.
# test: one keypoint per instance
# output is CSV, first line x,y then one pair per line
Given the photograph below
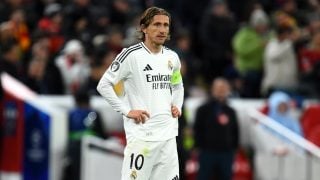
x,y
139,116
175,112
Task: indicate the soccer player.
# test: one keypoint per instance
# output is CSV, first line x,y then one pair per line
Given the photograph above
x,y
152,100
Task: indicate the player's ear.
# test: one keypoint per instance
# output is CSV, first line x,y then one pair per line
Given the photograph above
x,y
144,30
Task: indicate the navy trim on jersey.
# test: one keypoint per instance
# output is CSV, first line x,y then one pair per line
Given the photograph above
x,y
123,52
145,48
127,52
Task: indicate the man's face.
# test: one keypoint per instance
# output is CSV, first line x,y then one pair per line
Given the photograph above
x,y
220,90
283,108
158,30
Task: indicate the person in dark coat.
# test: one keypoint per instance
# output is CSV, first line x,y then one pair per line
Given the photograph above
x,y
83,120
215,33
10,58
216,134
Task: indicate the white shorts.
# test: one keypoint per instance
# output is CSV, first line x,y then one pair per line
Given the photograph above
x,y
150,160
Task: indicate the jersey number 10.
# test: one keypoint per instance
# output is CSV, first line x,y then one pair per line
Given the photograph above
x,y
138,161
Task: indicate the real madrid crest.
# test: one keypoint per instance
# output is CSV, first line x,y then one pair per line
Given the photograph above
x,y
133,175
170,65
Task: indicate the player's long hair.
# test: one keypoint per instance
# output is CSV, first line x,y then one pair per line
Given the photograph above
x,y
147,18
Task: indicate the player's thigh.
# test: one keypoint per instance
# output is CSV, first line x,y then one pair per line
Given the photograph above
x,y
167,165
139,158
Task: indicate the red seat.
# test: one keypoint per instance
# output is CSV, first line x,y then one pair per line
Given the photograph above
x,y
120,135
314,135
264,109
241,167
310,119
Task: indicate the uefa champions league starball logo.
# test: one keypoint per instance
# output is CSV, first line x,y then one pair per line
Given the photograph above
x,y
115,66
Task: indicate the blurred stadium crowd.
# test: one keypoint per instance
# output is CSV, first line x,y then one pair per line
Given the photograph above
x,y
62,46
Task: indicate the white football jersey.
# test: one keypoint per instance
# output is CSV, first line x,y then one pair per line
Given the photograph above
x,y
152,82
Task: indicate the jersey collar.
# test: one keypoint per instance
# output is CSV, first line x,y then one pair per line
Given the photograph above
x,y
145,47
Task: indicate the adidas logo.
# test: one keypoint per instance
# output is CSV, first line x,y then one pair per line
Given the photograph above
x,y
176,177
147,68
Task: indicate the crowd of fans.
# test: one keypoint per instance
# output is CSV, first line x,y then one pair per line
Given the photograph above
x,y
60,47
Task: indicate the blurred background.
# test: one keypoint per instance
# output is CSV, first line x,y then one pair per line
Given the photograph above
x,y
54,125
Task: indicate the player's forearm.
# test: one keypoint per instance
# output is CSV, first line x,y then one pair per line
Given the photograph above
x,y
105,88
178,95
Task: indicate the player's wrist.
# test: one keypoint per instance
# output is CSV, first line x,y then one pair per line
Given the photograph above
x,y
125,111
